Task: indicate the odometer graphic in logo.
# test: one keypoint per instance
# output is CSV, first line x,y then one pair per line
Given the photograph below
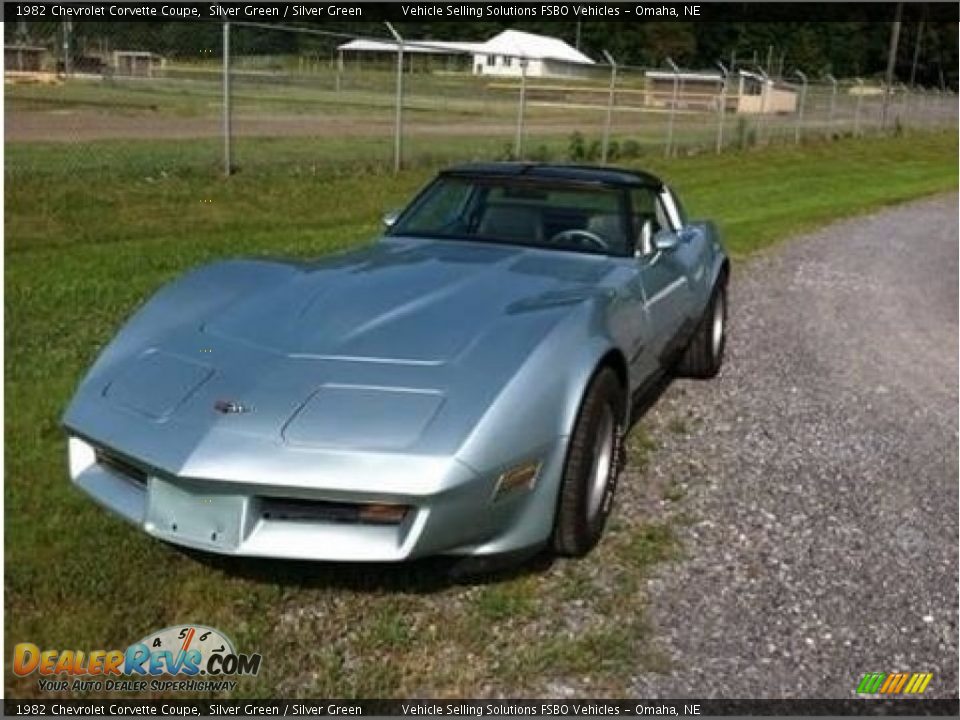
x,y
189,650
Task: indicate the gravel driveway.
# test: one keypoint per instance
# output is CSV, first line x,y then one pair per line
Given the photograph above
x,y
819,471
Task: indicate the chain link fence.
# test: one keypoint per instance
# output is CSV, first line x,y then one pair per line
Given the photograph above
x,y
246,97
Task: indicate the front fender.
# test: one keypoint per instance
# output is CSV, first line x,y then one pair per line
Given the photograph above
x,y
532,419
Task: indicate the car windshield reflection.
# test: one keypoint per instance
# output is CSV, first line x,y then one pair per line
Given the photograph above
x,y
553,215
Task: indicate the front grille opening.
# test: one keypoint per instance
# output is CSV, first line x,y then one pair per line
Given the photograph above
x,y
291,509
119,466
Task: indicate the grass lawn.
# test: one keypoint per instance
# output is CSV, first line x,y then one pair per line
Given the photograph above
x,y
87,241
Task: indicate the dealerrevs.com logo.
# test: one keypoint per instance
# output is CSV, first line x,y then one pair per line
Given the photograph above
x,y
183,652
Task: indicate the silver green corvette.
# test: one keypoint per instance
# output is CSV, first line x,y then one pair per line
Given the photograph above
x,y
461,386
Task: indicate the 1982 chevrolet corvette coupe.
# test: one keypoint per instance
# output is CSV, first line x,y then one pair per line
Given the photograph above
x,y
462,386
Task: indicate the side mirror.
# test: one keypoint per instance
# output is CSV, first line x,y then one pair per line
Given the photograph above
x,y
390,218
665,240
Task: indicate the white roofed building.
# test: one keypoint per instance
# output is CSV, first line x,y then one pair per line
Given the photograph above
x,y
502,55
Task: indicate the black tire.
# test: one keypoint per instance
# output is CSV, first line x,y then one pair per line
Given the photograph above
x,y
583,505
704,355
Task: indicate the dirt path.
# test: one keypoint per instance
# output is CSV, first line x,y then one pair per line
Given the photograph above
x,y
84,125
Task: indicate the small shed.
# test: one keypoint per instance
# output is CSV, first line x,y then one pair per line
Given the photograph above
x,y
695,90
137,63
23,58
757,94
746,92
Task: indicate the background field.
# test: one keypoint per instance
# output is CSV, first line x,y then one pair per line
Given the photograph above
x,y
85,244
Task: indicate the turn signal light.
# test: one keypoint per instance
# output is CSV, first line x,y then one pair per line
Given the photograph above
x,y
383,514
521,477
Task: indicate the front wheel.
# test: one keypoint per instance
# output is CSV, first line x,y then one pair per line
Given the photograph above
x,y
592,467
704,355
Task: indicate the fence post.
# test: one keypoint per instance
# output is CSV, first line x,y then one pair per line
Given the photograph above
x,y
339,81
611,98
398,117
67,30
833,102
902,109
722,110
766,86
803,99
668,150
227,129
856,112
521,107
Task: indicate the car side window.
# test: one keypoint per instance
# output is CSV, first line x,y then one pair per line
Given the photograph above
x,y
646,207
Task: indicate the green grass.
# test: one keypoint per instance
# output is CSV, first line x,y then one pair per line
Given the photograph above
x,y
87,241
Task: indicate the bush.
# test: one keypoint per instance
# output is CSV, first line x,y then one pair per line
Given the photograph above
x,y
630,149
595,151
541,153
577,149
613,152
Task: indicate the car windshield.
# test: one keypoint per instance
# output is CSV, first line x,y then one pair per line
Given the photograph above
x,y
523,211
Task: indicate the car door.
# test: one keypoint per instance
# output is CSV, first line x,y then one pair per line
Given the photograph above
x,y
662,276
692,253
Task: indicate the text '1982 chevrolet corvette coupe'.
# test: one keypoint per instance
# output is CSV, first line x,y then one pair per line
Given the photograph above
x,y
462,386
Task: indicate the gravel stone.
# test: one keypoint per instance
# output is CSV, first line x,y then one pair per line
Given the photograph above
x,y
821,469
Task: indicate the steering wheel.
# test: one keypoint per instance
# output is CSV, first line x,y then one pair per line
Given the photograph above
x,y
576,234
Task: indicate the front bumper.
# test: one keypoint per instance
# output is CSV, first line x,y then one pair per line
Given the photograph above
x,y
459,516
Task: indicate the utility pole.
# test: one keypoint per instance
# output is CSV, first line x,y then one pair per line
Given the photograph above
x,y
891,63
577,43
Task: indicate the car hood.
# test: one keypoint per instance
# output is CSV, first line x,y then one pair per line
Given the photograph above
x,y
399,347
410,301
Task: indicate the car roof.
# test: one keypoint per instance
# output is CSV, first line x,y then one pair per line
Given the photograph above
x,y
563,172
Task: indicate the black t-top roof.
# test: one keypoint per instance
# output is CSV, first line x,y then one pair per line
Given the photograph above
x,y
547,171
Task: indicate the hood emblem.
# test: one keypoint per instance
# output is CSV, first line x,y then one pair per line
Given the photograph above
x,y
228,407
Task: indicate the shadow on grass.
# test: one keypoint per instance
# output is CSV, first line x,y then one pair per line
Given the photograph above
x,y
427,575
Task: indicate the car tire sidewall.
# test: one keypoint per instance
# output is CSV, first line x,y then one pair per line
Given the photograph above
x,y
717,349
576,530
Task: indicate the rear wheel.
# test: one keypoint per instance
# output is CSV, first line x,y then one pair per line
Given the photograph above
x,y
594,461
704,355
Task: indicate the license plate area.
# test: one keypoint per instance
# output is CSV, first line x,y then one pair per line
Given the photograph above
x,y
190,516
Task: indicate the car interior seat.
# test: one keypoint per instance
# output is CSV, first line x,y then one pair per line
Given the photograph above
x,y
514,222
